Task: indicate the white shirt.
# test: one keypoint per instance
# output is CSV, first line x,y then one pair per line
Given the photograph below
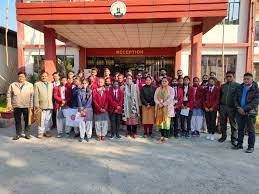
x,y
185,91
56,84
63,92
211,88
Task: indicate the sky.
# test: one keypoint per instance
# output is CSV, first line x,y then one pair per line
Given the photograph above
x,y
12,15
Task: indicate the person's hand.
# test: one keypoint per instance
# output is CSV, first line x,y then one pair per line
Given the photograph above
x,y
148,105
79,109
63,102
206,109
118,107
102,110
211,109
161,105
241,111
116,110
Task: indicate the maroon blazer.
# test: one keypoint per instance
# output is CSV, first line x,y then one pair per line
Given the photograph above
x,y
140,84
198,98
212,98
115,102
57,96
100,102
190,103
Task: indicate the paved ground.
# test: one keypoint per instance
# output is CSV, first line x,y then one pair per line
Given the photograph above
x,y
125,166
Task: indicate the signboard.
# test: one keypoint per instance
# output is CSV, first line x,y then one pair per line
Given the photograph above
x,y
118,9
129,52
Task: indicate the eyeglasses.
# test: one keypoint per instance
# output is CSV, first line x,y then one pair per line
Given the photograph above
x,y
229,76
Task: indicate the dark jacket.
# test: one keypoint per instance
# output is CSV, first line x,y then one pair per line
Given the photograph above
x,y
147,95
252,99
85,98
74,99
227,94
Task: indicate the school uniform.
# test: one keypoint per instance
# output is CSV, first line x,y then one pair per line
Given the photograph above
x,y
197,113
187,101
212,97
61,93
100,99
85,100
178,90
115,101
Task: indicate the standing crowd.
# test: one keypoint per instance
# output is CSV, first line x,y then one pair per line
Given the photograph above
x,y
105,104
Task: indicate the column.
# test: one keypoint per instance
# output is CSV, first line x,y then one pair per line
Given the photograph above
x,y
50,51
20,39
178,56
196,50
82,58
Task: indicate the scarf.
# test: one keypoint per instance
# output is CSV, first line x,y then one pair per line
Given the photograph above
x,y
130,92
161,112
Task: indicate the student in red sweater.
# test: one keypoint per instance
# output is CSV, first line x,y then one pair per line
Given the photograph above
x,y
100,102
211,106
186,107
62,95
197,113
115,109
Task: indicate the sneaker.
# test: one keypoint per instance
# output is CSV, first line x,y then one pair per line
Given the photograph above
x,y
193,133
112,137
47,134
237,147
208,137
27,137
212,138
197,133
222,139
182,134
144,136
128,136
82,140
59,135
98,138
135,136
77,135
67,135
151,135
118,137
87,139
249,150
40,136
102,138
16,137
187,135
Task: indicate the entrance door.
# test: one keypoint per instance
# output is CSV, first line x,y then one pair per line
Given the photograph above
x,y
135,64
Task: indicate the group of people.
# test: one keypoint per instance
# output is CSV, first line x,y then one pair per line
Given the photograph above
x,y
174,105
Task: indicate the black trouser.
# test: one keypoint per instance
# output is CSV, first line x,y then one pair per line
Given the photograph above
x,y
211,118
249,122
176,122
132,129
225,114
18,112
115,124
187,119
164,133
54,120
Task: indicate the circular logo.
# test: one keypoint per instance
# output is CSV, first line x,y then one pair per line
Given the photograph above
x,y
118,9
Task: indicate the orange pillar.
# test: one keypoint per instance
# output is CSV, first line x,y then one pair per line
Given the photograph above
x,y
20,38
50,51
82,58
196,50
178,56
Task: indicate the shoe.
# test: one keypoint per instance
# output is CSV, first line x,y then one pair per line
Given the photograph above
x,y
87,139
197,133
46,134
128,136
237,147
249,150
98,138
187,135
67,135
222,139
193,133
16,137
59,135
27,137
102,138
112,137
208,137
151,135
118,137
144,136
135,136
40,136
182,134
212,137
82,140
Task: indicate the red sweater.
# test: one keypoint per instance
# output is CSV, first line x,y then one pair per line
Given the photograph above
x,y
114,103
190,96
57,96
212,98
198,98
100,102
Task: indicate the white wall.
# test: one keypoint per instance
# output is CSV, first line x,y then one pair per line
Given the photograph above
x,y
233,33
28,56
8,74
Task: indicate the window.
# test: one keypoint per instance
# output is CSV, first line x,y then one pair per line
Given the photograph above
x,y
233,12
213,63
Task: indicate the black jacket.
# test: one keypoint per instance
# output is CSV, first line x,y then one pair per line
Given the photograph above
x,y
252,99
147,95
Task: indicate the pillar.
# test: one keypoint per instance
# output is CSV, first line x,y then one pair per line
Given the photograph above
x,y
50,51
20,39
196,50
178,56
82,58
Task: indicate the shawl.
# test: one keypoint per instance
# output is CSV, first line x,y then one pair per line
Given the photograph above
x,y
161,112
130,92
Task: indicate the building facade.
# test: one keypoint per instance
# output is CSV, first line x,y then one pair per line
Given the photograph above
x,y
191,35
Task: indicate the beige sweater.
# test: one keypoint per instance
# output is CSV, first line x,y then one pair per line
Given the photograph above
x,y
20,97
43,95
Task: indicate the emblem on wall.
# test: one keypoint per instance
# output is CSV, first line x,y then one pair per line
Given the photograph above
x,y
118,9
